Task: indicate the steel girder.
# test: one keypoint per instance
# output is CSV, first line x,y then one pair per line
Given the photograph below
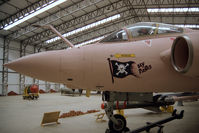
x,y
105,29
5,69
71,23
47,86
143,16
113,26
131,9
3,2
102,11
22,13
54,17
101,31
36,50
22,77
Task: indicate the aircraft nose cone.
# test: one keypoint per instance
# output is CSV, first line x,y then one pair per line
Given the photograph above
x,y
44,65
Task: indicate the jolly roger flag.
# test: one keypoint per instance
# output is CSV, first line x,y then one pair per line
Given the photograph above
x,y
121,69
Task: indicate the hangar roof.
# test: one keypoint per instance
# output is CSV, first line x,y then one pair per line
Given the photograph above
x,y
82,21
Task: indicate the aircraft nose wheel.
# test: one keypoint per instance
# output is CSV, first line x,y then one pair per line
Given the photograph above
x,y
117,128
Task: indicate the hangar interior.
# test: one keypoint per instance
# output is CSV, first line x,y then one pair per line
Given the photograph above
x,y
82,22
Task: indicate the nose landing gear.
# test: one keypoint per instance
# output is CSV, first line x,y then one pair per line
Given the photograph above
x,y
117,122
121,126
126,100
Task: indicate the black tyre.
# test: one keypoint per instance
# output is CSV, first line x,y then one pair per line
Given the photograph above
x,y
156,97
120,127
160,130
32,97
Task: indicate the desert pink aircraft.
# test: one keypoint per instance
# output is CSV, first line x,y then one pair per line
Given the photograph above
x,y
143,57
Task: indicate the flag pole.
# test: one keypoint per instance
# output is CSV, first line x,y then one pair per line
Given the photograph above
x,y
109,61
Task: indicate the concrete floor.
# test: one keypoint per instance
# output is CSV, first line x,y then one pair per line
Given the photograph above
x,y
20,116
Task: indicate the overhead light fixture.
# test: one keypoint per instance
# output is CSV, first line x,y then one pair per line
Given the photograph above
x,y
95,24
188,26
34,13
89,41
165,10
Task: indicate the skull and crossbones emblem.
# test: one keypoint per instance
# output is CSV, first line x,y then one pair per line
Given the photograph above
x,y
121,68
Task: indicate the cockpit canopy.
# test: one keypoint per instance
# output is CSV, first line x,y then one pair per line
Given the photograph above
x,y
140,30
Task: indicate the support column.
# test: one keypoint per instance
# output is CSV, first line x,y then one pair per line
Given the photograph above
x,y
36,81
5,69
57,87
47,85
22,77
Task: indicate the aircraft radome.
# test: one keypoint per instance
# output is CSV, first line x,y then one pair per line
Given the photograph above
x,y
143,57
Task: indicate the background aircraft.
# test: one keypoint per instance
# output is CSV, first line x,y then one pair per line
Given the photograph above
x,y
144,57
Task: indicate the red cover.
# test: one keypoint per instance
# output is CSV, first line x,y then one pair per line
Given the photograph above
x,y
34,89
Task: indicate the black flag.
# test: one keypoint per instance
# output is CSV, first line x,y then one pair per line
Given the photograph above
x,y
121,69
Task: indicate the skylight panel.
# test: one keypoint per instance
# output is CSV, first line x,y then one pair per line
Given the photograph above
x,y
89,41
103,21
188,26
34,13
155,10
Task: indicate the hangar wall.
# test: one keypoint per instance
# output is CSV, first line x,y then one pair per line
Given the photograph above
x,y
13,77
1,62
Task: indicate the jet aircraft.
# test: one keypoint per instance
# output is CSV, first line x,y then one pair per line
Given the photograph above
x,y
128,64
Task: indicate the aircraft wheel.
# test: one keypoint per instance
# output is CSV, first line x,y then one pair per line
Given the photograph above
x,y
120,127
155,98
160,130
32,97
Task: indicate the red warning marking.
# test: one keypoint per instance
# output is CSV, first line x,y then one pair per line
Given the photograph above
x,y
148,42
172,38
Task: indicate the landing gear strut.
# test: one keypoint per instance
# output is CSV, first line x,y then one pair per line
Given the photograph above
x,y
117,122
